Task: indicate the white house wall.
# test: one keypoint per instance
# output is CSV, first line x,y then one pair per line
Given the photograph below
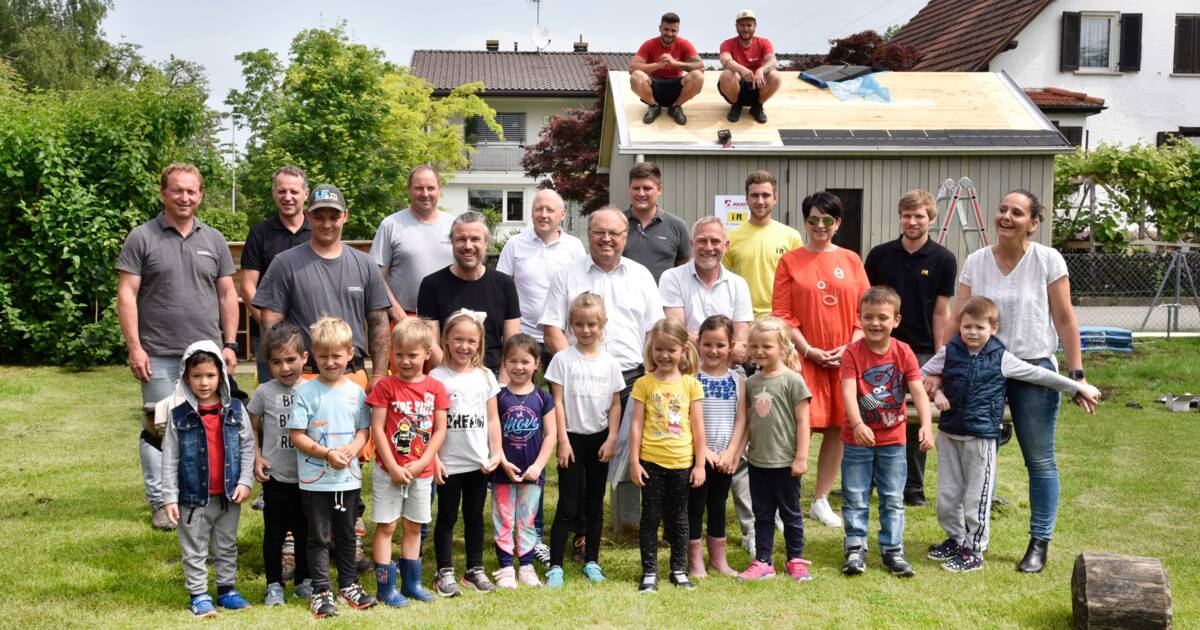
x,y
1140,104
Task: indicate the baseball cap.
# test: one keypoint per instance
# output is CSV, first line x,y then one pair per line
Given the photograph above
x,y
326,196
745,14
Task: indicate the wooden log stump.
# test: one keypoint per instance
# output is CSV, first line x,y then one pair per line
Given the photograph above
x,y
1115,591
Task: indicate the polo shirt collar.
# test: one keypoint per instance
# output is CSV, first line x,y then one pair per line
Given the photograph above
x,y
277,224
163,224
533,237
657,216
722,272
926,249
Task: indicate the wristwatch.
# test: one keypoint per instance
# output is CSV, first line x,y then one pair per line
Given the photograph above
x,y
1075,375
232,345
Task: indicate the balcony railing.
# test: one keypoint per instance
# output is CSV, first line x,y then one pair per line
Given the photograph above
x,y
497,157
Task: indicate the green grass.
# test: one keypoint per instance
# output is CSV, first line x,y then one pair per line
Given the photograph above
x,y
77,548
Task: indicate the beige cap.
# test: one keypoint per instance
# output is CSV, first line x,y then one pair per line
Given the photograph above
x,y
745,14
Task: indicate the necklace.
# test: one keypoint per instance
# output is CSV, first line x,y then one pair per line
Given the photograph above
x,y
827,298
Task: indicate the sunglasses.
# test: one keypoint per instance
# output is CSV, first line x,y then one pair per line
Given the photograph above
x,y
826,220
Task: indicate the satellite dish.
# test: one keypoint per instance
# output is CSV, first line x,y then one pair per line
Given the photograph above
x,y
541,37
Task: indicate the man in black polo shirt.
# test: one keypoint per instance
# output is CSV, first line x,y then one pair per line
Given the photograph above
x,y
283,231
657,239
924,274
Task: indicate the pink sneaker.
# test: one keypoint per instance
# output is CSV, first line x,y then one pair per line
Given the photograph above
x,y
757,571
797,568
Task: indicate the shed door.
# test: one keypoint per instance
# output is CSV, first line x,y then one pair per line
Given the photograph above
x,y
849,235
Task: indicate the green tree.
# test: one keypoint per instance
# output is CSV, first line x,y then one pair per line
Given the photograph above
x,y
54,44
350,118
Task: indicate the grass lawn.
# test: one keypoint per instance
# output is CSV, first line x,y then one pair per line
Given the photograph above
x,y
77,548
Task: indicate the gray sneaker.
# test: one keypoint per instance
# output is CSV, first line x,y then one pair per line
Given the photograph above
x,y
477,579
160,520
274,595
446,584
304,589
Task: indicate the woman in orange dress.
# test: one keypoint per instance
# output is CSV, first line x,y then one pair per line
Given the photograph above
x,y
817,288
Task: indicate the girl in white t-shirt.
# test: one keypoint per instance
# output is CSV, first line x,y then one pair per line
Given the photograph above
x,y
586,382
472,449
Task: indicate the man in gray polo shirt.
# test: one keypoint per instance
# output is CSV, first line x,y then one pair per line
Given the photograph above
x,y
414,242
328,277
174,287
657,239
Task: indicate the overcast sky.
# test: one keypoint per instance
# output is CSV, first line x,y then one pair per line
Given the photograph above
x,y
211,32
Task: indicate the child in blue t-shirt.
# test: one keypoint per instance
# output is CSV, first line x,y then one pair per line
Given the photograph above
x,y
527,428
329,427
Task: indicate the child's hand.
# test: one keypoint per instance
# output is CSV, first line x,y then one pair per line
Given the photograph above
x,y
932,384
863,435
262,468
566,456
925,438
241,493
491,464
799,467
439,472
637,474
414,469
532,473
400,475
725,462
1088,397
607,450
711,458
697,476
940,401
172,511
337,459
511,470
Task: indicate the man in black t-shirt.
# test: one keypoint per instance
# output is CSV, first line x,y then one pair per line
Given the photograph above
x,y
468,283
924,274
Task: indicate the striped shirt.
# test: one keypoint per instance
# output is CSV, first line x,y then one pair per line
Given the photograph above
x,y
720,408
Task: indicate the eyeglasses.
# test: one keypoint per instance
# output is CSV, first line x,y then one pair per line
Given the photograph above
x,y
607,233
828,221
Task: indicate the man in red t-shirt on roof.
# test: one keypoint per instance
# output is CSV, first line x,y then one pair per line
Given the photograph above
x,y
750,75
666,72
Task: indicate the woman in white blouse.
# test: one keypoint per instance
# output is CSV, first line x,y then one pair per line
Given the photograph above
x,y
1028,282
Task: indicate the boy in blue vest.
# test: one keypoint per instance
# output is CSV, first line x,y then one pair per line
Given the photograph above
x,y
207,469
975,369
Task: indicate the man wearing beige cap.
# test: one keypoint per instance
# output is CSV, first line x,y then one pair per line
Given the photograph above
x,y
750,75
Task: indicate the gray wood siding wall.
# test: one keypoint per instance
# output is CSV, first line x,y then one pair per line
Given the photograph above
x,y
691,182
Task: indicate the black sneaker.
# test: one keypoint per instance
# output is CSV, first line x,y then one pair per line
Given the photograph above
x,y
541,551
915,500
322,605
680,579
944,550
856,561
649,584
652,114
964,562
356,597
759,115
735,112
676,113
477,579
893,560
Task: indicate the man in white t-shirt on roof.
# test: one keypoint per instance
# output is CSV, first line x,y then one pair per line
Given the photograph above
x,y
414,242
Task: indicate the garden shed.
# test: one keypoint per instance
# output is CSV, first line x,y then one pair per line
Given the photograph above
x,y
937,125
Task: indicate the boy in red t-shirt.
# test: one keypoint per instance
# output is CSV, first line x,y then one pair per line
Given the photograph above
x,y
408,425
751,75
876,369
666,72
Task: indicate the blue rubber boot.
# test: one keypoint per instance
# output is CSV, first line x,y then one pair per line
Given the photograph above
x,y
410,578
385,580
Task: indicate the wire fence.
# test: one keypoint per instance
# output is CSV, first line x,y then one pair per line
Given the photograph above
x,y
1138,291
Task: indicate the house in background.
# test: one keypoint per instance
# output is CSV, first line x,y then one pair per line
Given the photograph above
x,y
1136,62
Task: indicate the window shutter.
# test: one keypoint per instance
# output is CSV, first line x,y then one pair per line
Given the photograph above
x,y
1069,58
1186,36
1131,42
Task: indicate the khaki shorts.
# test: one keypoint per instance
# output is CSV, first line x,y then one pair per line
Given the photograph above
x,y
391,501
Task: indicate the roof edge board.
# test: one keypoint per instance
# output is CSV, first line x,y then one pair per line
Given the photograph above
x,y
1026,102
840,151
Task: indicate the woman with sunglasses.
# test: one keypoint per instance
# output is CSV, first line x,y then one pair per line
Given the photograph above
x,y
817,288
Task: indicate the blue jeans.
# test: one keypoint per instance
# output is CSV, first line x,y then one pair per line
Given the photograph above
x,y
887,468
261,367
1035,415
164,373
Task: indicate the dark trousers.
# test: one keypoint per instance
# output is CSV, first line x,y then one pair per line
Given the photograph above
x,y
330,519
283,513
915,458
771,490
664,501
471,489
580,489
710,496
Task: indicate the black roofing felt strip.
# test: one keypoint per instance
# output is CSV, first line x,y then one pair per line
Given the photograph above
x,y
926,137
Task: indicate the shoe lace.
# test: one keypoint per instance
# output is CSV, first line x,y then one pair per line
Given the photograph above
x,y
354,591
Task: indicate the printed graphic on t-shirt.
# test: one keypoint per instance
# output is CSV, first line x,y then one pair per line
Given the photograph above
x,y
416,421
762,404
285,436
668,407
719,388
457,420
519,425
883,404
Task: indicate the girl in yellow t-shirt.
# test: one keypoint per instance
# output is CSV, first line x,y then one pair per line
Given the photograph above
x,y
666,441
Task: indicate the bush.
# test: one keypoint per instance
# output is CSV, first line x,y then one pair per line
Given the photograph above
x,y
233,225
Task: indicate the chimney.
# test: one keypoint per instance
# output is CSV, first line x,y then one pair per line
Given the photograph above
x,y
514,46
581,46
492,45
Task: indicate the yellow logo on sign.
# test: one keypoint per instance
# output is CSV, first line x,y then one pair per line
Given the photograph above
x,y
924,272
736,217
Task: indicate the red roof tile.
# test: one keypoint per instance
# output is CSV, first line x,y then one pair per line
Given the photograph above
x,y
964,35
1058,98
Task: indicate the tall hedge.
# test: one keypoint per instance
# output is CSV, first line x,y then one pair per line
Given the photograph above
x,y
78,170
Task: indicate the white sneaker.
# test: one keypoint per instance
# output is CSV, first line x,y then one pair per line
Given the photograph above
x,y
748,543
505,579
822,511
528,576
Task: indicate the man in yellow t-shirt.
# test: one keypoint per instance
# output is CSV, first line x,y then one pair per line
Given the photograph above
x,y
755,247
